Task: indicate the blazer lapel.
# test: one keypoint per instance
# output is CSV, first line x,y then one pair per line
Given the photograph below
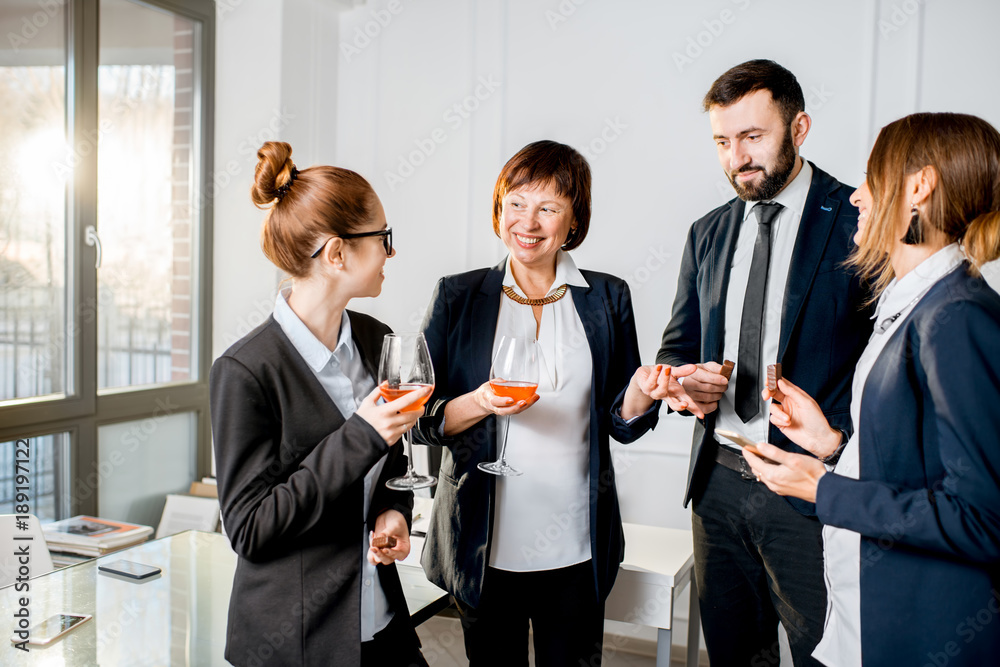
x,y
328,414
485,312
594,316
818,217
721,257
369,346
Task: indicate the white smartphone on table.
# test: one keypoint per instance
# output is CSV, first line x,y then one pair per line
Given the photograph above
x,y
50,629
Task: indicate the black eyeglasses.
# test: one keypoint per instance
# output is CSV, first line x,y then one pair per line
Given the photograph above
x,y
386,235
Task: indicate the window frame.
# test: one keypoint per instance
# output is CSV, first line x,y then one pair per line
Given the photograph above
x,y
83,408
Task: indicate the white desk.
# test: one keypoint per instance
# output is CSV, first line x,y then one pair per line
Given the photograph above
x,y
658,565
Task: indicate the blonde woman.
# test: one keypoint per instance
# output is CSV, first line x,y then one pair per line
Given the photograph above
x,y
912,510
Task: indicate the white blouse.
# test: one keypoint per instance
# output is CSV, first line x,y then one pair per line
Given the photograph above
x,y
541,519
841,643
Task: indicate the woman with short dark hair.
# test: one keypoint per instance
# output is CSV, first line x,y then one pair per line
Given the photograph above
x,y
543,547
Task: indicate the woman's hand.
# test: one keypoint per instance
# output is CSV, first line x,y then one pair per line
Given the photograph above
x,y
658,383
795,475
390,523
392,419
491,403
469,409
800,418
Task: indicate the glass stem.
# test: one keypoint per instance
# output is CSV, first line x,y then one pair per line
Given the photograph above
x,y
409,454
503,443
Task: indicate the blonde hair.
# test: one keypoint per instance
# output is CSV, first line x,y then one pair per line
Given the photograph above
x,y
964,205
305,207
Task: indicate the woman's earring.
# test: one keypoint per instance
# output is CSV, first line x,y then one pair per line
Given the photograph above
x,y
914,233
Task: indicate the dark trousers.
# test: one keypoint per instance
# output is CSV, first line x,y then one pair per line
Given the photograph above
x,y
395,644
566,618
758,562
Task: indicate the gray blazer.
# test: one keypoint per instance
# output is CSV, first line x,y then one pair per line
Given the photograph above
x,y
291,485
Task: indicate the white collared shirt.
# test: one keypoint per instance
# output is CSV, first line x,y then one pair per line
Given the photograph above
x,y
841,643
541,519
784,232
343,376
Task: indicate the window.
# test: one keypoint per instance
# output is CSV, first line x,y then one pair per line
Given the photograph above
x,y
105,136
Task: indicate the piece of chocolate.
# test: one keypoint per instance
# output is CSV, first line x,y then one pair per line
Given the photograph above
x,y
773,375
384,542
727,369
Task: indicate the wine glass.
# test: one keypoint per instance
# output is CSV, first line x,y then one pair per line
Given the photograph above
x,y
406,366
514,374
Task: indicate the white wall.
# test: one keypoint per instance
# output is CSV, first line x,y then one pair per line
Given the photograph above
x,y
623,81
276,79
374,87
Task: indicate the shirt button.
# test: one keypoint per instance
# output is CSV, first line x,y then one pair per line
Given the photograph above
x,y
368,582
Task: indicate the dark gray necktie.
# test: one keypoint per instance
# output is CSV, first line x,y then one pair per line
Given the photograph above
x,y
748,386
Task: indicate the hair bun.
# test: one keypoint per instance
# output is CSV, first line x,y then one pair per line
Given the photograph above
x,y
274,173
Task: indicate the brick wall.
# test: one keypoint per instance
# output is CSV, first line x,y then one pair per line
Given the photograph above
x,y
183,221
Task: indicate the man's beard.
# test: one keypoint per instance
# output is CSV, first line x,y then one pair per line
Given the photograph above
x,y
773,180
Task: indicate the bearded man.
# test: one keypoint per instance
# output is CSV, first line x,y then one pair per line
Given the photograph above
x,y
762,281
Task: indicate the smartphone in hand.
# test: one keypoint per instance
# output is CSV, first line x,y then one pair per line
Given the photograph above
x,y
744,442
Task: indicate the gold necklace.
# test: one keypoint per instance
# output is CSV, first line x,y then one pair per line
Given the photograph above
x,y
517,298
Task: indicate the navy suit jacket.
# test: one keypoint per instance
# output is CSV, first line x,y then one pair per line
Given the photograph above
x,y
927,503
460,328
291,485
824,327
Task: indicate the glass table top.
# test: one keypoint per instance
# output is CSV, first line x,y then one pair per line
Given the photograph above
x,y
177,617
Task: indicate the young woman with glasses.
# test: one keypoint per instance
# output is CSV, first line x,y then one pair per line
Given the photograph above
x,y
302,448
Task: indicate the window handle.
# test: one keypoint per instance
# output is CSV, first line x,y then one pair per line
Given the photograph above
x,y
93,240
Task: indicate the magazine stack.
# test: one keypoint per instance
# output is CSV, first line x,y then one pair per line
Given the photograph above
x,y
91,536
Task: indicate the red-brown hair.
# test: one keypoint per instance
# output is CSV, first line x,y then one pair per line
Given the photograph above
x,y
964,205
305,207
546,162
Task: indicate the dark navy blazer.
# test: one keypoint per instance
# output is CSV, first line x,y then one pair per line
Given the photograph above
x,y
927,503
460,328
824,327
